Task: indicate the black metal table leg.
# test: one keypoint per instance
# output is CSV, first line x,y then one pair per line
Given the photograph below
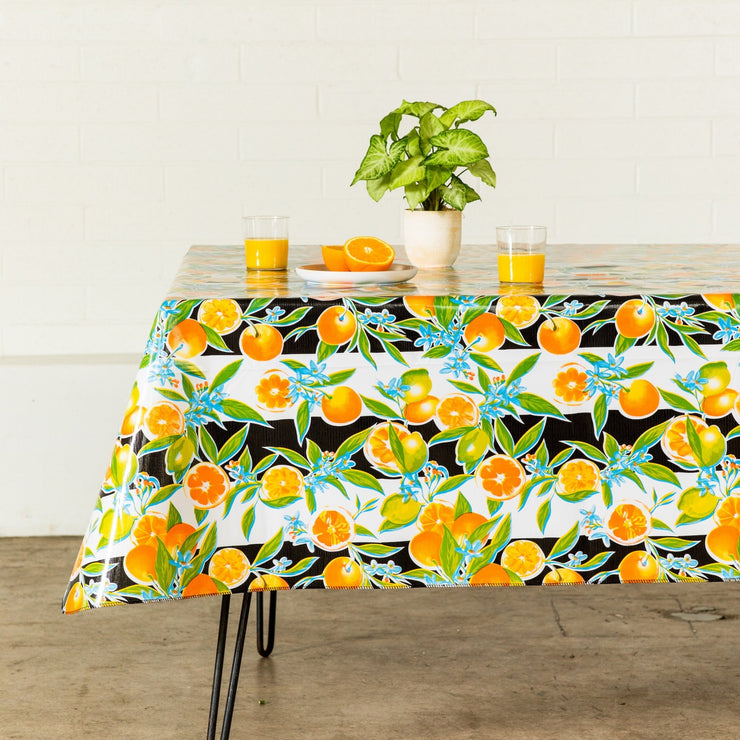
x,y
235,667
262,649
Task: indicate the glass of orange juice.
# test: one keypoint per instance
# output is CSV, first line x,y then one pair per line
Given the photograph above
x,y
266,242
521,254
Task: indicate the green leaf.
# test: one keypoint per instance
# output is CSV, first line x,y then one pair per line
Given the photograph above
x,y
674,544
362,479
487,362
247,522
300,567
529,439
466,110
378,160
214,338
462,506
292,456
353,443
207,444
429,126
189,368
600,412
648,438
163,568
454,194
623,344
483,170
595,562
380,409
390,123
415,194
504,438
158,444
232,445
418,109
659,472
635,371
173,517
164,493
677,402
449,557
270,548
302,419
564,543
406,172
375,549
241,412
588,450
502,534
577,495
543,514
364,344
171,395
537,405
179,456
226,374
452,484
436,177
522,368
341,376
456,148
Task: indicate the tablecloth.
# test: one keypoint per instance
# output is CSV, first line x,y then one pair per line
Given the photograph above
x,y
448,431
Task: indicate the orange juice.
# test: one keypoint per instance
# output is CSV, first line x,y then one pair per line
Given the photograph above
x,y
521,268
266,254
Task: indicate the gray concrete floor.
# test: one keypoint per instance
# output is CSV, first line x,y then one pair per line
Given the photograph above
x,y
537,663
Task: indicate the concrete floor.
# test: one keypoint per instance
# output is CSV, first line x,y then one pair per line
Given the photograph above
x,y
536,663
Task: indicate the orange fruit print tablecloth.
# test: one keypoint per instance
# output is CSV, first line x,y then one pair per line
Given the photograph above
x,y
389,441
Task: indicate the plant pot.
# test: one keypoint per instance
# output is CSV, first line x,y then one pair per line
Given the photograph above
x,y
432,238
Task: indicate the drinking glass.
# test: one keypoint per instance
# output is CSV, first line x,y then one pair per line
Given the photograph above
x,y
266,242
521,254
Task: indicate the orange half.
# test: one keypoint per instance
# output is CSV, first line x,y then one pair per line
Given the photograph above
x,y
367,254
333,256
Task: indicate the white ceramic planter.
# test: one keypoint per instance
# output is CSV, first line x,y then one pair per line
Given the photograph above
x,y
432,238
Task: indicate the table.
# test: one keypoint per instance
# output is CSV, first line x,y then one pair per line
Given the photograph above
x,y
441,432
448,431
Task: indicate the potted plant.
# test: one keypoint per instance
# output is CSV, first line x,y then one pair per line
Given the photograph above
x,y
428,162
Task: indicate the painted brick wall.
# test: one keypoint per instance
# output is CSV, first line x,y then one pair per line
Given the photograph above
x,y
129,131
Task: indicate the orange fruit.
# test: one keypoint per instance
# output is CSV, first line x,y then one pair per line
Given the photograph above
x,y
336,325
523,557
635,318
206,484
281,481
561,576
559,335
273,391
578,475
519,310
641,399
465,525
332,529
456,410
434,517
570,384
222,315
343,572
675,442
424,548
501,477
377,446
333,256
176,536
268,582
163,420
139,563
342,405
261,342
187,339
420,412
421,306
484,333
201,585
628,523
75,600
367,254
148,529
728,512
720,301
638,566
720,404
230,566
721,543
132,420
490,575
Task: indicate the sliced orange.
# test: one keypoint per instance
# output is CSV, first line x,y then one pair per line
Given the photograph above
x,y
628,523
520,310
332,529
456,410
501,477
206,484
524,557
675,440
368,254
230,566
578,475
281,481
570,384
377,446
222,315
728,512
148,529
333,256
273,391
163,420
435,517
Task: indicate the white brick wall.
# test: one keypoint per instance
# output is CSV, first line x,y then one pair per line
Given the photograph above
x,y
130,131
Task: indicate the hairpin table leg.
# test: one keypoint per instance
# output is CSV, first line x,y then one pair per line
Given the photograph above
x,y
262,649
235,667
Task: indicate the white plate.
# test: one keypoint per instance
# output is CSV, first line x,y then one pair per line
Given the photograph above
x,y
396,273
